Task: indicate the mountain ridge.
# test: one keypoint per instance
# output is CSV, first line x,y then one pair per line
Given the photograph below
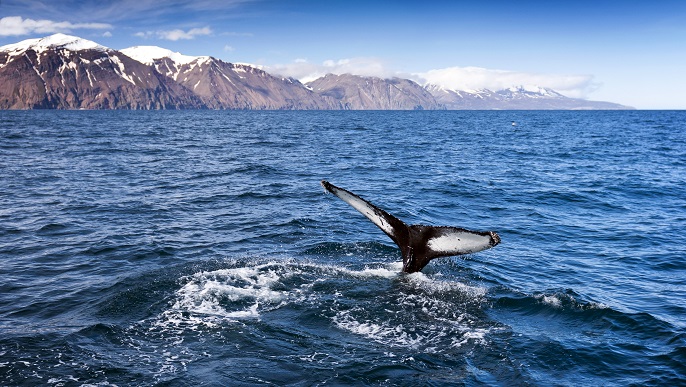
x,y
67,72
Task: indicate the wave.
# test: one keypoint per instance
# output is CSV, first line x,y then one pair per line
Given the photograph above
x,y
375,302
567,304
351,248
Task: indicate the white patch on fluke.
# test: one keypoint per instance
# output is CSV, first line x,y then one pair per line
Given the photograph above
x,y
459,243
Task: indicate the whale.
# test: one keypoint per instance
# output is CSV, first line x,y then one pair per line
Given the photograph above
x,y
419,244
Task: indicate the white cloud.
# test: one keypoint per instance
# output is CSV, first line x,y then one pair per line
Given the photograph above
x,y
17,25
228,48
456,78
476,78
176,34
186,35
144,34
107,34
305,71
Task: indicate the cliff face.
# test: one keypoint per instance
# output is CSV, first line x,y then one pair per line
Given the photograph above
x,y
92,78
64,72
370,93
67,72
222,85
20,86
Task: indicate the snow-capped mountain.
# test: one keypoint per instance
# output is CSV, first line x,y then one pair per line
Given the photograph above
x,y
56,41
165,61
356,92
149,54
223,85
68,72
513,98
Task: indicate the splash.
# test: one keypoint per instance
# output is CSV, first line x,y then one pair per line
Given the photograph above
x,y
428,313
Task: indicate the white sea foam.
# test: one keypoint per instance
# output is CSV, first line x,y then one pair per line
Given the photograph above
x,y
431,320
208,293
416,311
559,300
386,271
213,293
433,285
434,337
378,331
552,301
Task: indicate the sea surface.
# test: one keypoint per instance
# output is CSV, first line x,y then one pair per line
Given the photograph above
x,y
197,248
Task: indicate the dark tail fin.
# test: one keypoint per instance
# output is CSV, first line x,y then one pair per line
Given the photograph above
x,y
419,244
395,228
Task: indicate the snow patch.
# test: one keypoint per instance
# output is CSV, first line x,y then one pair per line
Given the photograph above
x,y
148,55
227,78
122,70
68,42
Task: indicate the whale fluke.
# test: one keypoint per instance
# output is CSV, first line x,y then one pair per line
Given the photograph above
x,y
419,244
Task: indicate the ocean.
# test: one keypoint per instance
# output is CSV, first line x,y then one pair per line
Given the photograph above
x,y
188,248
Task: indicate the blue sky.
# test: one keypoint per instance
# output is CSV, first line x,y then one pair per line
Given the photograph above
x,y
629,52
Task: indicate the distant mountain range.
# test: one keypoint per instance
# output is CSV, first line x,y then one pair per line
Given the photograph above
x,y
67,72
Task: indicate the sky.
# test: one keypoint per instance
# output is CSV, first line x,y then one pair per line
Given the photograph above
x,y
627,52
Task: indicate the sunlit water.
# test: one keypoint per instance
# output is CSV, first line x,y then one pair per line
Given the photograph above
x,y
198,248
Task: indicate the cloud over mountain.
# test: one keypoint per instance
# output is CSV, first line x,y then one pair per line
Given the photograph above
x,y
477,78
68,72
306,71
453,78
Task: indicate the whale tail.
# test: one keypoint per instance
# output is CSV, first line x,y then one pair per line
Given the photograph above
x,y
419,244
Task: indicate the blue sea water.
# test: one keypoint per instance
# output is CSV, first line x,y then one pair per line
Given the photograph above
x,y
197,248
